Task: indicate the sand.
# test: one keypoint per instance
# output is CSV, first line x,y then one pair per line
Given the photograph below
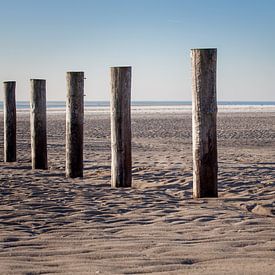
x,y
53,225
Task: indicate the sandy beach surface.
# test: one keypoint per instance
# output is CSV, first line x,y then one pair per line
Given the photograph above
x,y
51,225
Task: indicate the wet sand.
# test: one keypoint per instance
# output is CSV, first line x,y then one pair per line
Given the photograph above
x,y
50,224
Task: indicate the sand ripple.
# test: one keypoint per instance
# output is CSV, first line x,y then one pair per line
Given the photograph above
x,y
50,224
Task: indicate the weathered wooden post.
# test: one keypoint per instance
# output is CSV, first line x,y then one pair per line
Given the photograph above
x,y
38,124
9,121
204,117
74,124
121,175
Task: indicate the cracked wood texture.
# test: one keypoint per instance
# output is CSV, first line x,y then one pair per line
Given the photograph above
x,y
204,120
74,124
38,119
121,127
9,121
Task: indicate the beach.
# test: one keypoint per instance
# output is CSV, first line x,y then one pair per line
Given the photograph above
x,y
50,224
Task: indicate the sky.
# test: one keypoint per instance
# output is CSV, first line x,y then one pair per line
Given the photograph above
x,y
46,38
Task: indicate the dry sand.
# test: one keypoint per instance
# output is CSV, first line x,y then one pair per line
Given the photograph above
x,y
50,224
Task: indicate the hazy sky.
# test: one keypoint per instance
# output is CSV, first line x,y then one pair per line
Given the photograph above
x,y
46,38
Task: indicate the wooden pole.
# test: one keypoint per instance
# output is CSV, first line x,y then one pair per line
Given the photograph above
x,y
9,121
74,124
204,117
38,124
121,127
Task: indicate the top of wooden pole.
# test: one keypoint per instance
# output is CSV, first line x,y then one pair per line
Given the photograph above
x,y
75,72
204,49
120,67
37,79
208,51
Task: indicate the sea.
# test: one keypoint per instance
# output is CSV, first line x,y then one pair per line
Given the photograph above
x,y
156,106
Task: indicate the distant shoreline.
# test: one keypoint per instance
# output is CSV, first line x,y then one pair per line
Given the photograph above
x,y
175,105
160,109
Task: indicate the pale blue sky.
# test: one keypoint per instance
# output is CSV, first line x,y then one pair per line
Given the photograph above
x,y
46,38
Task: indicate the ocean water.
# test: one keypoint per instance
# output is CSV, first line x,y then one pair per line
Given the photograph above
x,y
157,106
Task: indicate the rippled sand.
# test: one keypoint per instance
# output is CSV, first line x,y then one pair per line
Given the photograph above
x,y
50,224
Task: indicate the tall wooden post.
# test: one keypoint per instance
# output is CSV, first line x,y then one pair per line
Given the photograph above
x,y
204,117
121,127
38,124
74,124
9,121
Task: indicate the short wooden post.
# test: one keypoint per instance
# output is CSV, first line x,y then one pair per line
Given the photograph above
x,y
74,124
38,124
121,127
9,121
204,117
